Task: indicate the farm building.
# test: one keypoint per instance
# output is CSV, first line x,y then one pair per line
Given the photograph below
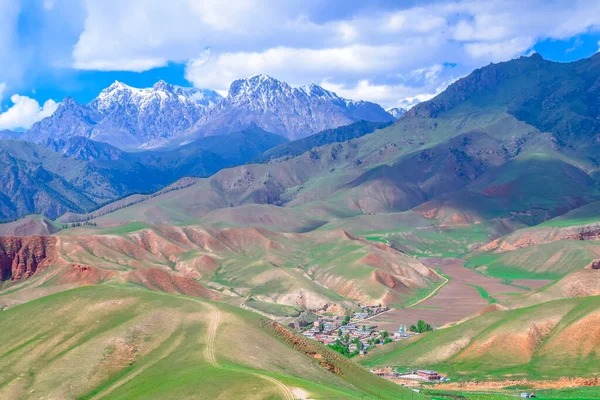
x,y
429,375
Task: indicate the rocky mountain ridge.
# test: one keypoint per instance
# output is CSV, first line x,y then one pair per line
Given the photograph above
x,y
127,117
275,106
169,115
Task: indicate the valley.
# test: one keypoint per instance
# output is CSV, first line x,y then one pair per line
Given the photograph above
x,y
233,244
466,293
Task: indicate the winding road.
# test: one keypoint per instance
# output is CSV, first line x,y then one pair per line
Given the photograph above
x,y
211,336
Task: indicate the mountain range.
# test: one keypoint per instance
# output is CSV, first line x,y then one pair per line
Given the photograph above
x,y
468,146
168,115
127,117
277,107
477,211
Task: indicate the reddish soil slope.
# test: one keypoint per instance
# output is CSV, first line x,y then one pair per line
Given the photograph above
x,y
21,257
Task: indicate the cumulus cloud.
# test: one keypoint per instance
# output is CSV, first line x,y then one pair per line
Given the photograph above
x,y
297,65
25,111
399,95
346,43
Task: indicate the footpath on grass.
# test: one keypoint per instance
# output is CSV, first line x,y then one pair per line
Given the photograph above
x,y
210,353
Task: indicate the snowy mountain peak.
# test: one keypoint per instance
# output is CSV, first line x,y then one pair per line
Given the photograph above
x,y
116,85
275,106
257,84
161,94
162,85
396,112
129,117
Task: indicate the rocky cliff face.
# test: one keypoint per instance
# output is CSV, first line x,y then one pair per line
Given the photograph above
x,y
277,107
21,257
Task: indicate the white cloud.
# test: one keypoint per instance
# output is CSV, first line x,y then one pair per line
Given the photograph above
x,y
293,64
2,89
25,112
499,51
302,42
137,35
49,4
388,95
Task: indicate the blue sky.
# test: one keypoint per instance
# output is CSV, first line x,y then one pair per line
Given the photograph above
x,y
395,53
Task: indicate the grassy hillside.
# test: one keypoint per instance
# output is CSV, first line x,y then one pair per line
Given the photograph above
x,y
336,135
34,224
122,342
541,261
586,214
545,341
581,283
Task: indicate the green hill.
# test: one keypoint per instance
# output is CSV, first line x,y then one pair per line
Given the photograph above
x,y
126,343
545,341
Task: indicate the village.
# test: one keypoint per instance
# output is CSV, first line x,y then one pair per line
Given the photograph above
x,y
356,335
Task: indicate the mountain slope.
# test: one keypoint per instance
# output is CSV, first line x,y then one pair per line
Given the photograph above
x,y
336,135
237,147
37,180
308,271
277,107
57,179
122,342
550,340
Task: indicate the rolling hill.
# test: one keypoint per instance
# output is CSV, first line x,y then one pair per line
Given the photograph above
x,y
312,271
546,341
120,342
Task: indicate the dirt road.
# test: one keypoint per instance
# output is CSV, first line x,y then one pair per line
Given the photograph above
x,y
211,336
210,353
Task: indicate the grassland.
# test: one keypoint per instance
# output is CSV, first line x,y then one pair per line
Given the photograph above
x,y
120,342
580,393
484,294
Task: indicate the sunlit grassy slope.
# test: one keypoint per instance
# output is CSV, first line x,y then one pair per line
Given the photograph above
x,y
549,340
126,343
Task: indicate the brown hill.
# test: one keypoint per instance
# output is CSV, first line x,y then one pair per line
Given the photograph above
x,y
308,271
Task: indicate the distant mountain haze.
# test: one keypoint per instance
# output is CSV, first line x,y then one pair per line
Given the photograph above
x,y
466,155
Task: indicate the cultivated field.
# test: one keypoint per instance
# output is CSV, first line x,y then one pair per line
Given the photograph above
x,y
466,293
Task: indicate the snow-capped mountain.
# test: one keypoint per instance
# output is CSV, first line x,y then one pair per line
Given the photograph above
x,y
128,117
131,118
275,106
396,112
